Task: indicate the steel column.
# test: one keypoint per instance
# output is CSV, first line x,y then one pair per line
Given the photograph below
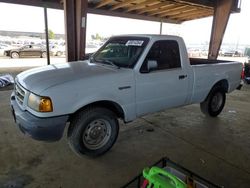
x,y
222,13
75,12
47,35
160,28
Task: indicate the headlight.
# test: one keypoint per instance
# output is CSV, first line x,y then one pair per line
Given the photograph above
x,y
40,104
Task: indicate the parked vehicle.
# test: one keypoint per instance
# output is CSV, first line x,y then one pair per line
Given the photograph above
x,y
1,50
3,47
128,77
27,51
57,50
232,53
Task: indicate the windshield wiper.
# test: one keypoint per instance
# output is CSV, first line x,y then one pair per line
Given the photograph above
x,y
107,61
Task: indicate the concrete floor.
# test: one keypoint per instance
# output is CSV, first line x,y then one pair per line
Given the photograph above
x,y
217,149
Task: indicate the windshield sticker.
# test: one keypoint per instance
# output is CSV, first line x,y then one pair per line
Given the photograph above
x,y
134,43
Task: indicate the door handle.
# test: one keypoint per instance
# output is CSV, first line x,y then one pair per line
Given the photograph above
x,y
182,76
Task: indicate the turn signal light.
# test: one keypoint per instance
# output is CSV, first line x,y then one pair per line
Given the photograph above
x,y
45,105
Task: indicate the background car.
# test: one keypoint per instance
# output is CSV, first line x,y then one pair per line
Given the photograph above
x,y
27,51
3,47
232,53
57,50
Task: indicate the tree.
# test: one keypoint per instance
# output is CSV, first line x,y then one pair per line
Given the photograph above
x,y
97,36
51,34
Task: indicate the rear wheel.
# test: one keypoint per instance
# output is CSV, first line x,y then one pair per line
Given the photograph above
x,y
14,55
44,54
93,131
214,103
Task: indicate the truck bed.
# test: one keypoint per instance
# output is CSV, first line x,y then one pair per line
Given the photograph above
x,y
198,61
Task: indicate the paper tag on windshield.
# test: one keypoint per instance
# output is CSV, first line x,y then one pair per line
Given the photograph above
x,y
134,43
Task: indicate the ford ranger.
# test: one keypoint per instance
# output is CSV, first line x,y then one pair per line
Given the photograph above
x,y
128,77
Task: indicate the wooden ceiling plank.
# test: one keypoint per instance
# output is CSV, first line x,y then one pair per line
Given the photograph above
x,y
123,4
103,3
163,10
174,10
142,4
209,4
130,15
195,17
177,12
153,7
192,14
187,15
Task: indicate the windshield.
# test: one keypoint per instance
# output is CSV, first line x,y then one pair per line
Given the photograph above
x,y
121,51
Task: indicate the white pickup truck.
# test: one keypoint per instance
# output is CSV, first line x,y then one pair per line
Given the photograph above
x,y
128,77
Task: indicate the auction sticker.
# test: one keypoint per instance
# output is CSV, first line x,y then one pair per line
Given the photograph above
x,y
134,43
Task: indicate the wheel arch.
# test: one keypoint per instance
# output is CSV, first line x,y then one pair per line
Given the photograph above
x,y
111,105
221,84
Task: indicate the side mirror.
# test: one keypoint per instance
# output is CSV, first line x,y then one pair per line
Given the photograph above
x,y
152,65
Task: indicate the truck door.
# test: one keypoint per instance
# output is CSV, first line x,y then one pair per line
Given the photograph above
x,y
162,81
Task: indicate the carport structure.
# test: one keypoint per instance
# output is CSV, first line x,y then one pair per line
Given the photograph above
x,y
168,11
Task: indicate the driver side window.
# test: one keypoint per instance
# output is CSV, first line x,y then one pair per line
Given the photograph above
x,y
166,55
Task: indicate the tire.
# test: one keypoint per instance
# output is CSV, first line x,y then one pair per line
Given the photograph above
x,y
58,53
93,131
43,55
214,103
14,55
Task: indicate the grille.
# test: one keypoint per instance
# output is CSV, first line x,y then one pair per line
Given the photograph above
x,y
20,93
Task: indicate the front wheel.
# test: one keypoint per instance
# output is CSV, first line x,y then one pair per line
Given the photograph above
x,y
93,131
214,103
14,55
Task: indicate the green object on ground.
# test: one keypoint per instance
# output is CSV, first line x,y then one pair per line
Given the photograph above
x,y
159,178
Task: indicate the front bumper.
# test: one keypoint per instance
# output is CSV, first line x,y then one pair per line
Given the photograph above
x,y
6,53
46,129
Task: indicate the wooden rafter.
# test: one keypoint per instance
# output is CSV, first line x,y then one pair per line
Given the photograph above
x,y
142,4
154,7
175,10
192,14
201,15
103,3
163,10
122,4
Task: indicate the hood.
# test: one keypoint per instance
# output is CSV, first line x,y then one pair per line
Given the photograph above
x,y
40,79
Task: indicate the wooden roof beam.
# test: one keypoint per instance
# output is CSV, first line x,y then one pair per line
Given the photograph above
x,y
221,16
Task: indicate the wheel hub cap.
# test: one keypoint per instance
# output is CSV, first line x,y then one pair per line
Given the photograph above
x,y
97,134
217,101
